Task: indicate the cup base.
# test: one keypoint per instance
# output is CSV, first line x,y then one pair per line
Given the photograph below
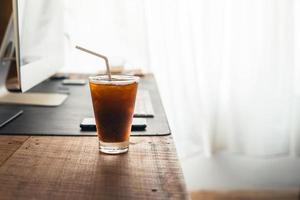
x,y
113,147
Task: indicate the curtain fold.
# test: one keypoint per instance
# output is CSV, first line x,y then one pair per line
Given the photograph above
x,y
227,70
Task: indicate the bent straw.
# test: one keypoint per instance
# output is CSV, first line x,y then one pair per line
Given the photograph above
x,y
99,55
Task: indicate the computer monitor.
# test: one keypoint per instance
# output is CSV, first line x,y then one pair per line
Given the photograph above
x,y
34,41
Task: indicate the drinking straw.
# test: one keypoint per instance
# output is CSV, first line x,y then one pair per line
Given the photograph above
x,y
99,55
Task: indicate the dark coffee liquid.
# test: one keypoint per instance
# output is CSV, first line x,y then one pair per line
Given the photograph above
x,y
113,108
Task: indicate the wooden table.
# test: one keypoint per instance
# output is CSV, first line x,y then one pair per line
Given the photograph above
x,y
66,167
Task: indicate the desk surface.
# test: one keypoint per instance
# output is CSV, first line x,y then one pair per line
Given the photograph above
x,y
65,119
65,167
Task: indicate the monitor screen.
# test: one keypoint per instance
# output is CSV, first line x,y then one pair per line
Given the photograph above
x,y
40,30
40,40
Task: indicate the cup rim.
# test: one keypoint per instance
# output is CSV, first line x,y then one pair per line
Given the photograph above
x,y
117,79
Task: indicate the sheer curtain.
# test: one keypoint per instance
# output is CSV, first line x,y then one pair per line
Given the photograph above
x,y
228,70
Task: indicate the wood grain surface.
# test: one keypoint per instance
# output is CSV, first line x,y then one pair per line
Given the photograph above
x,y
288,194
8,145
57,167
71,167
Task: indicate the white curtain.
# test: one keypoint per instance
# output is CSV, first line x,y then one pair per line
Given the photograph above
x,y
228,70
